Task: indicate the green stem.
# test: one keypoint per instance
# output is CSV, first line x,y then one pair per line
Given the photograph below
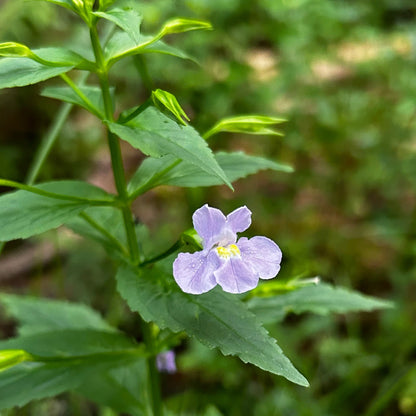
x,y
104,232
121,185
165,254
152,371
64,197
90,106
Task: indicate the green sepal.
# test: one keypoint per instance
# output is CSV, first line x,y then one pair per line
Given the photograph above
x,y
10,358
250,124
171,103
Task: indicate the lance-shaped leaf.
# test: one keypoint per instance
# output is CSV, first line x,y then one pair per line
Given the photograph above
x,y
128,18
67,94
321,299
37,315
251,124
171,171
157,135
18,72
44,207
65,359
216,319
171,103
119,46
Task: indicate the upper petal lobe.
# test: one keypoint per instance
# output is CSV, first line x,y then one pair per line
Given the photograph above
x,y
262,255
209,223
239,220
194,273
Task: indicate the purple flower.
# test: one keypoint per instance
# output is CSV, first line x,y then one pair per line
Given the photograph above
x,y
165,362
235,265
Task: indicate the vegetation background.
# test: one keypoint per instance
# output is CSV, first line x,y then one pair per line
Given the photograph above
x,y
344,75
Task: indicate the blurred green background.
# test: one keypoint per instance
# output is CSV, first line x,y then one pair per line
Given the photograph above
x,y
343,73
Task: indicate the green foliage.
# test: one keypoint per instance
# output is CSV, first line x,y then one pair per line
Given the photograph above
x,y
215,319
168,170
157,135
127,18
24,213
321,299
18,72
35,315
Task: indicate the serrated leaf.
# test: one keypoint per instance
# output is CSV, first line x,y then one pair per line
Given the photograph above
x,y
67,94
122,45
236,165
37,315
18,72
251,124
23,213
110,220
30,381
171,103
128,18
216,319
157,135
71,343
123,389
320,299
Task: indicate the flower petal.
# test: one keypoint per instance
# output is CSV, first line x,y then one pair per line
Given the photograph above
x,y
235,277
209,224
262,255
239,220
194,273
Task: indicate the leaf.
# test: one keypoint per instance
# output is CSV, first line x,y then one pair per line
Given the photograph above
x,y
60,57
171,103
71,343
216,319
121,45
68,4
123,389
23,213
110,221
30,381
37,315
251,124
128,18
68,95
18,72
157,135
320,299
236,165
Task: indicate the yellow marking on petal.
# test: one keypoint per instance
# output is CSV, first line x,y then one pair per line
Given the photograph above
x,y
230,251
234,250
223,252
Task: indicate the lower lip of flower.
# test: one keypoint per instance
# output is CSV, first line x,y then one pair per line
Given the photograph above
x,y
226,252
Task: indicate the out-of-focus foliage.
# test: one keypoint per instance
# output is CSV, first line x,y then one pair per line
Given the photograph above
x,y
344,75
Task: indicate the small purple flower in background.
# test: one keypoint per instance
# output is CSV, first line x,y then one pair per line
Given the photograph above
x,y
165,362
235,265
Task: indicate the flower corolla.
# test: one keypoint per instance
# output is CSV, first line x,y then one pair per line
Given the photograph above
x,y
236,265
